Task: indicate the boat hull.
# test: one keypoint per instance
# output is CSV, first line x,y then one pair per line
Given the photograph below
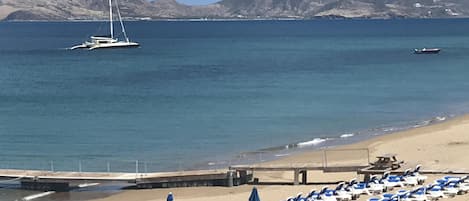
x,y
114,45
93,46
427,51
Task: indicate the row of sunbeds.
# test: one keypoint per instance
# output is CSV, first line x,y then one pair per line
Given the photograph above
x,y
448,186
345,191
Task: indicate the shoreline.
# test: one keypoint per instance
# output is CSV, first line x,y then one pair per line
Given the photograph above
x,y
338,140
436,146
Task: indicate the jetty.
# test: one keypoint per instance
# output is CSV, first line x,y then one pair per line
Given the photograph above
x,y
234,176
65,181
52,180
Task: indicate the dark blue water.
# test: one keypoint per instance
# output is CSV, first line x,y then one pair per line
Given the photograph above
x,y
198,93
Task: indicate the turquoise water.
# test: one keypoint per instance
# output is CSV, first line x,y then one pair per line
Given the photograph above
x,y
198,94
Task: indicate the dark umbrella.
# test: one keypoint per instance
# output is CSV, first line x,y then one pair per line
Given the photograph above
x,y
254,195
170,197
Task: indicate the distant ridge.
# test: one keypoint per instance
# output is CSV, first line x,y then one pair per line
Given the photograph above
x,y
243,9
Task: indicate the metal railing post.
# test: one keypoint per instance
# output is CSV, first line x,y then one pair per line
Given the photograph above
x,y
79,166
136,168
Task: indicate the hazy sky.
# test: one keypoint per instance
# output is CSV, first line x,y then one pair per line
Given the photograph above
x,y
197,2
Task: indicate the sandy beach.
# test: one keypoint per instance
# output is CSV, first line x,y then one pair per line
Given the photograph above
x,y
439,146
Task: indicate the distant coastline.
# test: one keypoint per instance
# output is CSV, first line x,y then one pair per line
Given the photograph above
x,y
232,9
332,18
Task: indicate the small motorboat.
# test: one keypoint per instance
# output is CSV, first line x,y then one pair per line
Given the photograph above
x,y
427,51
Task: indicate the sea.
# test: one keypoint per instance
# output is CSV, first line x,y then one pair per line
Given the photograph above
x,y
209,94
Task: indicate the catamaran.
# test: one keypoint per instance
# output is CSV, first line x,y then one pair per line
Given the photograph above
x,y
97,42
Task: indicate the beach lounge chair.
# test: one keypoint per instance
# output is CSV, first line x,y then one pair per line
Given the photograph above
x,y
405,195
313,195
461,183
290,199
450,187
409,179
383,199
376,186
379,199
420,178
341,193
298,197
390,197
357,189
392,181
435,192
328,196
418,194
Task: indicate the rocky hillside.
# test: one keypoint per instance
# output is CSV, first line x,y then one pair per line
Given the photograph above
x,y
347,8
157,9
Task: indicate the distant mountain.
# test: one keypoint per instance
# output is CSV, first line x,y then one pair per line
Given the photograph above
x,y
157,9
347,8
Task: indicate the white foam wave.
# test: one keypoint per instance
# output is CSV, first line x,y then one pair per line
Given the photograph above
x,y
347,135
213,163
313,142
424,123
440,118
388,129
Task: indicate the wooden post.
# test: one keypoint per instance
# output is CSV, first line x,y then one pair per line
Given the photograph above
x,y
367,177
296,177
325,160
229,178
304,178
243,177
368,155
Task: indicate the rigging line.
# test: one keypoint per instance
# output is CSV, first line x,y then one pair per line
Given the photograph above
x,y
120,20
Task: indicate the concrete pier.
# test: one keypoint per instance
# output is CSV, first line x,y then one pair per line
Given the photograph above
x,y
60,186
223,178
64,181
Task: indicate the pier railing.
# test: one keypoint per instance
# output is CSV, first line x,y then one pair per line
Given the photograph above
x,y
86,166
123,166
326,158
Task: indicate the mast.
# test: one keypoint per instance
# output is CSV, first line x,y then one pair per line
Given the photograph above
x,y
110,18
